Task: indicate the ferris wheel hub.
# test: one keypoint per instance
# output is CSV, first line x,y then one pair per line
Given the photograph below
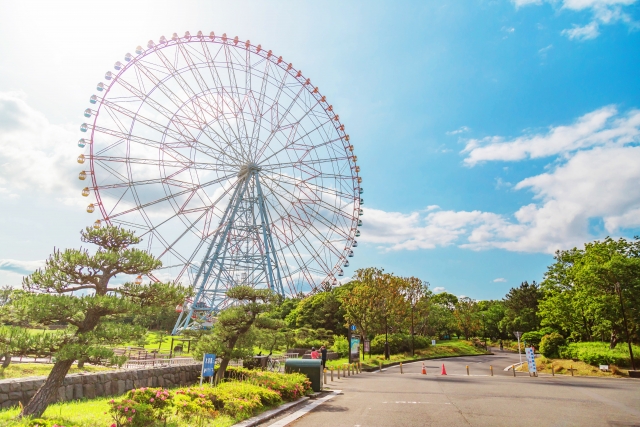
x,y
248,169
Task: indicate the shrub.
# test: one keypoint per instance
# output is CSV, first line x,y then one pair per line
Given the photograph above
x,y
142,407
535,337
550,344
238,399
288,386
340,345
595,353
398,343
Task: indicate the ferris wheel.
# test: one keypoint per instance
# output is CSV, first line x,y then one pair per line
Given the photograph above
x,y
229,163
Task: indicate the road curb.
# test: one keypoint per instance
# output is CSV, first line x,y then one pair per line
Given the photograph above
x,y
389,365
267,415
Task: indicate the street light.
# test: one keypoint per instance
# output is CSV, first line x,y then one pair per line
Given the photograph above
x,y
517,334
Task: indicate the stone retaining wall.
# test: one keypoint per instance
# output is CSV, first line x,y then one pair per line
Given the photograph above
x,y
116,383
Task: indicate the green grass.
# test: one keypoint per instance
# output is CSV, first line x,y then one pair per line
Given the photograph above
x,y
20,370
444,348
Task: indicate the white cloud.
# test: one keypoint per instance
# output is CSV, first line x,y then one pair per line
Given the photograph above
x,y
545,50
462,129
603,12
600,127
595,176
35,156
499,280
588,32
22,268
439,289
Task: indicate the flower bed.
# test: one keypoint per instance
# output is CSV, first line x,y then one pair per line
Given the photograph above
x,y
251,392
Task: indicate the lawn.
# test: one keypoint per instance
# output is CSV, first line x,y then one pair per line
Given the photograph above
x,y
20,370
564,366
444,348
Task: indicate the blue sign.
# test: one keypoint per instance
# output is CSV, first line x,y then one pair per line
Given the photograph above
x,y
353,327
207,365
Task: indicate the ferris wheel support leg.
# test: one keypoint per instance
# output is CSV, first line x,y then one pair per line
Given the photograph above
x,y
268,242
227,219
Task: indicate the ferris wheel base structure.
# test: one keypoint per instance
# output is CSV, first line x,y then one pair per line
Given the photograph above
x,y
241,253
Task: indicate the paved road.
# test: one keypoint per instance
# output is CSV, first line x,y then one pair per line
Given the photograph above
x,y
388,398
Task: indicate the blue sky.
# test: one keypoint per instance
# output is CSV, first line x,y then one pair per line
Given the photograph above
x,y
490,133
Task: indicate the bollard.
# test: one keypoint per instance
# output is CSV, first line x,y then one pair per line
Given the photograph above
x,y
491,368
514,370
401,368
331,373
348,371
360,366
571,370
325,375
338,372
553,373
467,369
380,365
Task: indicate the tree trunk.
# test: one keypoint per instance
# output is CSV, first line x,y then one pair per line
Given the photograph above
x,y
47,391
221,370
6,361
81,363
614,340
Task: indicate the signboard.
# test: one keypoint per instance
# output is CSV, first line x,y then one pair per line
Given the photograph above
x,y
207,365
433,342
531,361
352,327
355,346
367,346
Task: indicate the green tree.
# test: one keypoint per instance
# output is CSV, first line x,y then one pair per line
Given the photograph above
x,y
584,289
494,312
232,336
521,308
467,315
92,317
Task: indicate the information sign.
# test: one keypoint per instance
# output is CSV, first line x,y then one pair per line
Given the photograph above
x,y
355,346
208,363
531,360
352,327
433,342
367,346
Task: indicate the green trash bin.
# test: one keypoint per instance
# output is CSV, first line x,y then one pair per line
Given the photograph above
x,y
312,368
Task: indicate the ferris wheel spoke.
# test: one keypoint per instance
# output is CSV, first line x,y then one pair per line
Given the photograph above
x,y
235,95
310,224
302,265
330,225
319,191
172,196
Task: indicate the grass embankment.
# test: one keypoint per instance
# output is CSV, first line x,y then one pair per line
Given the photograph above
x,y
564,366
444,348
20,370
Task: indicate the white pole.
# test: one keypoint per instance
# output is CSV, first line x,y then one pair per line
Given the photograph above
x,y
519,353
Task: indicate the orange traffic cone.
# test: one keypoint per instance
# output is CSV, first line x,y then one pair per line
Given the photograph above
x,y
444,371
424,369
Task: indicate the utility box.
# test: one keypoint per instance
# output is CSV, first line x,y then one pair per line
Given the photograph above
x,y
312,368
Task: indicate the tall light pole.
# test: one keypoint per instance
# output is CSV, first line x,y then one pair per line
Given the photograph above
x,y
517,334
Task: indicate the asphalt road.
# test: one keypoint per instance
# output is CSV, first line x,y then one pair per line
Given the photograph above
x,y
389,398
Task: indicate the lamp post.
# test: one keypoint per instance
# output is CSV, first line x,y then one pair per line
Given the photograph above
x,y
517,334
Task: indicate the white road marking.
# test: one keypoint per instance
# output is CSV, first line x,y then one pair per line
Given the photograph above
x,y
304,410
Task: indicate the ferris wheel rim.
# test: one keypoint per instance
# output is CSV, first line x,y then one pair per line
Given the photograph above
x,y
321,101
